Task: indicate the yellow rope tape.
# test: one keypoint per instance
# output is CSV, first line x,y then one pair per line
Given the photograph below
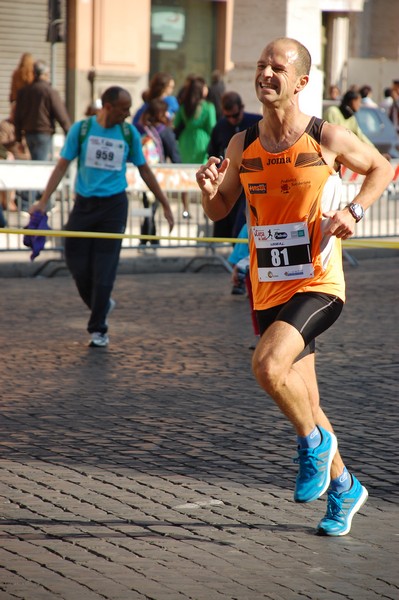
x,y
352,243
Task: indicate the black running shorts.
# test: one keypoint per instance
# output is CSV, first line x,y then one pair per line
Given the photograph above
x,y
310,313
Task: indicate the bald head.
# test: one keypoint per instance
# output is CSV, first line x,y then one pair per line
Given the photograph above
x,y
298,55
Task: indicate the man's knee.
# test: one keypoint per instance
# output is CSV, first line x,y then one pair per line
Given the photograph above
x,y
268,371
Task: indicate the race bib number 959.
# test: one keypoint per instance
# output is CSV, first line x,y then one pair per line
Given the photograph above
x,y
283,252
104,153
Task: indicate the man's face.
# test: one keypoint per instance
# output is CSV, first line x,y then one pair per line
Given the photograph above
x,y
234,115
119,110
276,77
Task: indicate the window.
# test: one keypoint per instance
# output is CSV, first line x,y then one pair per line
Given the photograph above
x,y
184,37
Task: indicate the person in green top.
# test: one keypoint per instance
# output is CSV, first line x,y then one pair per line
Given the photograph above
x,y
194,120
344,114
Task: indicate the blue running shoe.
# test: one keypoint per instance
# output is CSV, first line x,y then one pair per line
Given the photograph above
x,y
314,478
341,508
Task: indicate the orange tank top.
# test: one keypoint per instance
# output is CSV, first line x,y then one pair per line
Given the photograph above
x,y
287,193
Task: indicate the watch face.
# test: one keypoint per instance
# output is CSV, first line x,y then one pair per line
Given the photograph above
x,y
356,210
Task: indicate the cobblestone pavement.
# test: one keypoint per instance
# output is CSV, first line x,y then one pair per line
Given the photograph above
x,y
157,469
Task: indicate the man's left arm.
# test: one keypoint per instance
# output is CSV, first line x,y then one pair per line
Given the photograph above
x,y
151,182
59,111
361,158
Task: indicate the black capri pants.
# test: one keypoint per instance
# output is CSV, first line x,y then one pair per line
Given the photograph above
x,y
311,313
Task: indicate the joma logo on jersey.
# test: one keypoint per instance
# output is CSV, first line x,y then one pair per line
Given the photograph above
x,y
257,188
279,161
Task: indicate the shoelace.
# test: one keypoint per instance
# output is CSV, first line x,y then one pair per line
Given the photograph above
x,y
307,461
334,505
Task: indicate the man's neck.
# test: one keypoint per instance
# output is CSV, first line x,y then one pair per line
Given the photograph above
x,y
279,129
102,119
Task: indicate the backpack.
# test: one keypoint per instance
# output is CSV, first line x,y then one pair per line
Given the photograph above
x,y
152,146
85,128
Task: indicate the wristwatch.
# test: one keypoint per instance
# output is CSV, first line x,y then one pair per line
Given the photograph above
x,y
356,210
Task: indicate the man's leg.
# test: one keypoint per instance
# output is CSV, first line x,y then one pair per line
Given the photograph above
x,y
104,268
307,371
78,260
39,145
78,251
281,364
274,368
293,386
111,218
272,364
345,495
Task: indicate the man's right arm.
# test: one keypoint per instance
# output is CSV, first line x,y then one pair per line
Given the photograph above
x,y
52,184
220,183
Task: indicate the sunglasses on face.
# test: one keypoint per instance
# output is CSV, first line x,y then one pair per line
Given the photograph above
x,y
233,115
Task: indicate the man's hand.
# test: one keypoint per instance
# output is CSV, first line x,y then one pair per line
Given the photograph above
x,y
52,184
341,223
168,216
211,175
37,207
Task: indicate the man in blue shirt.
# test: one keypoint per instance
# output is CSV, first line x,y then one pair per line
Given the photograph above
x,y
103,145
234,119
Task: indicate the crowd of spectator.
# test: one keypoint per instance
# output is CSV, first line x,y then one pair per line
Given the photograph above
x,y
27,132
389,103
183,126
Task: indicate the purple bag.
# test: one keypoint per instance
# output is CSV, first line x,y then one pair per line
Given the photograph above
x,y
37,221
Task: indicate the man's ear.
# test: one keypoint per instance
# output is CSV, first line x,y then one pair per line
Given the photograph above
x,y
302,83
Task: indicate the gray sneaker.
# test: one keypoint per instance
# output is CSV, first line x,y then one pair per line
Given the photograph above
x,y
99,340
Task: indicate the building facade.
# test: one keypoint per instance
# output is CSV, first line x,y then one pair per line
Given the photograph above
x,y
125,41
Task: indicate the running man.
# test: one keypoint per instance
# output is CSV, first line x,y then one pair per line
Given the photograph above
x,y
288,165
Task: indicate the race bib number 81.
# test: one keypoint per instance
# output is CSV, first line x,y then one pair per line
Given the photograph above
x,y
283,252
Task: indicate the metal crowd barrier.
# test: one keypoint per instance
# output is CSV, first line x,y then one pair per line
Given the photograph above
x,y
177,181
382,218
179,184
